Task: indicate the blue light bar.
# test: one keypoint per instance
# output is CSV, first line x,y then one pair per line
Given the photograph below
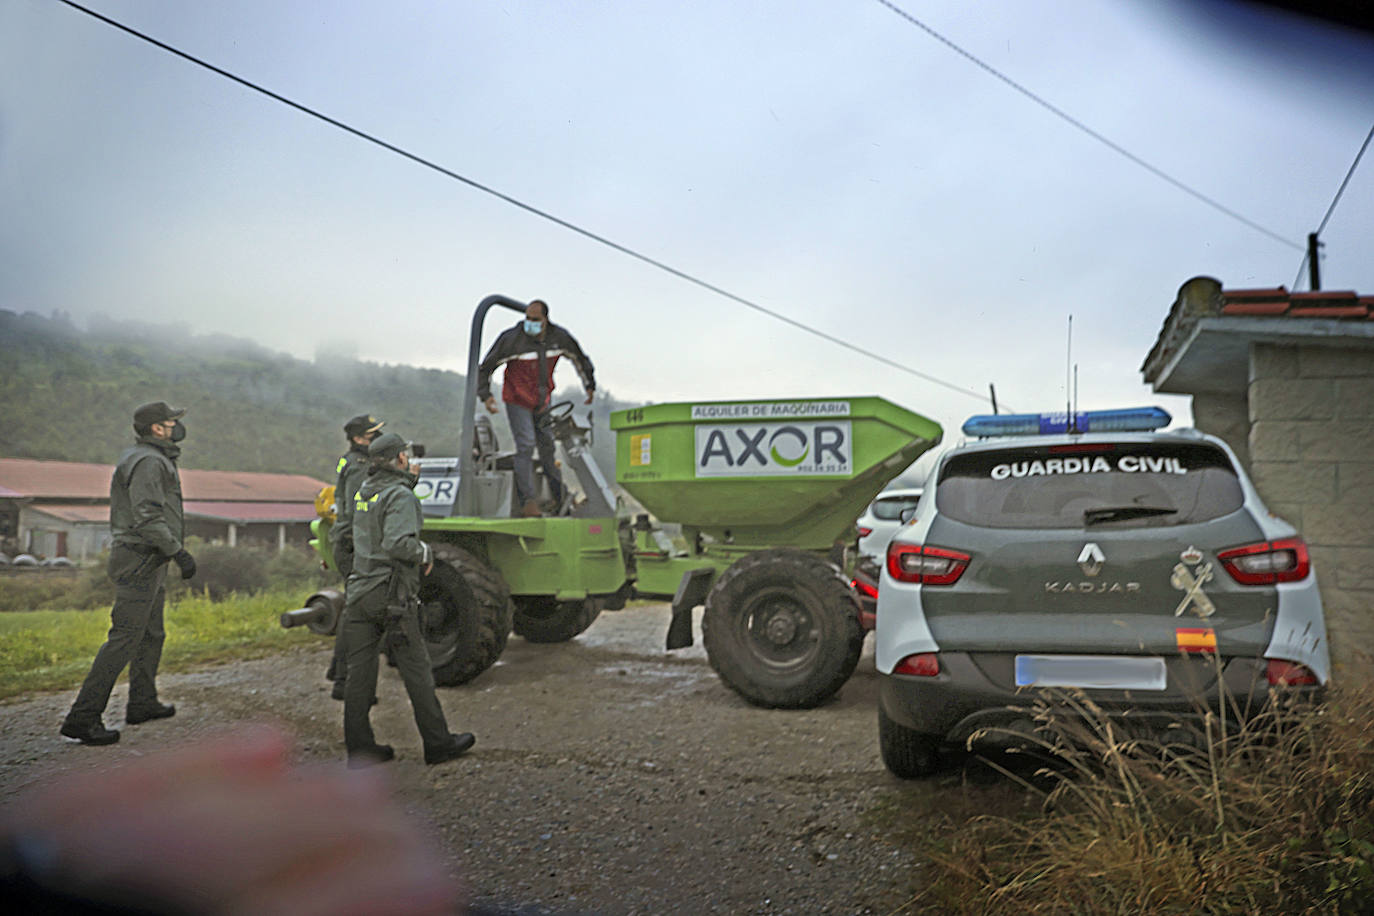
x,y
1128,419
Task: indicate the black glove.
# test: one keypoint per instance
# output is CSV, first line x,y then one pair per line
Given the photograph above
x,y
187,563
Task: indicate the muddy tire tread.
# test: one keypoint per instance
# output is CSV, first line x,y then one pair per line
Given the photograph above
x,y
840,649
571,619
494,615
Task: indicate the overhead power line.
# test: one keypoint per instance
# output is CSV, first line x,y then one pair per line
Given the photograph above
x,y
1331,209
1115,147
543,214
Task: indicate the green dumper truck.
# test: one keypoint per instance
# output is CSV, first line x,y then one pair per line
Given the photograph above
x,y
764,494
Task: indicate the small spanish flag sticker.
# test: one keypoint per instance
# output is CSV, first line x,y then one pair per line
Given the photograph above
x,y
1201,640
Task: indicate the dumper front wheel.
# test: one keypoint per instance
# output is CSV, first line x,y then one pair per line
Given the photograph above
x,y
465,615
543,618
782,628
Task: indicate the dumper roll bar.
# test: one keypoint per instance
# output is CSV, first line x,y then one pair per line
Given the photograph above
x,y
466,500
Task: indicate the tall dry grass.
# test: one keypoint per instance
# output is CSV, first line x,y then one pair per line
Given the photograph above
x,y
1269,814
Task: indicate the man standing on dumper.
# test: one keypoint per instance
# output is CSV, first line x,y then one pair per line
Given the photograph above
x,y
351,470
529,351
146,522
383,603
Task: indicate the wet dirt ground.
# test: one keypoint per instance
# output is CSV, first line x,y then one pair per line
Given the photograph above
x,y
610,777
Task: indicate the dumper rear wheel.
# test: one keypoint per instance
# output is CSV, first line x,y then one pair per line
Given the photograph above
x,y
782,628
465,615
543,618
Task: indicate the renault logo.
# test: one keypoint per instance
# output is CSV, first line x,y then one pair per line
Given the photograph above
x,y
1091,560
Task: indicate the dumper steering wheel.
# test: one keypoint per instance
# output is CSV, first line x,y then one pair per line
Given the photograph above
x,y
559,411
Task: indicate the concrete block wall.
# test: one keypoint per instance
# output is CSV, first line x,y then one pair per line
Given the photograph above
x,y
1228,417
1311,447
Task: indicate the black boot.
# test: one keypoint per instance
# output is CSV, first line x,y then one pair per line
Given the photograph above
x,y
456,746
370,756
135,715
96,733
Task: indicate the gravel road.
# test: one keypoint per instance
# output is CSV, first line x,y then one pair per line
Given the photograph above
x,y
610,777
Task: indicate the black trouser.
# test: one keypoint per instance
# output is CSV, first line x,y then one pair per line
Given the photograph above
x,y
365,624
343,562
135,638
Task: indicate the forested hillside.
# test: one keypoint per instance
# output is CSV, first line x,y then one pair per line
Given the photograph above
x,y
69,394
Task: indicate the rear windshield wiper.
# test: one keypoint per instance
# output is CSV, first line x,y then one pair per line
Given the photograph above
x,y
1121,513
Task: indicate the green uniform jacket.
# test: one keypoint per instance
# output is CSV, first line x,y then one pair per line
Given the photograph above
x,y
386,536
145,498
352,469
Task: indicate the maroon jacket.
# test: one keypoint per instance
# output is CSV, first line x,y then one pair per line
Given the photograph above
x,y
522,355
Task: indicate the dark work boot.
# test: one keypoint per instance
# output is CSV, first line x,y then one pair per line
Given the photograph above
x,y
95,733
370,756
456,747
135,715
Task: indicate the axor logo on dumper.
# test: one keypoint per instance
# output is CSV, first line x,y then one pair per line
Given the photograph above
x,y
802,438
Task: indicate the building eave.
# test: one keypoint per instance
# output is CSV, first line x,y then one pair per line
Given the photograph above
x,y
1214,358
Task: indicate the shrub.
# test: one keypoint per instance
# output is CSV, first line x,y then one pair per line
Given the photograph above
x,y
299,567
1274,814
222,570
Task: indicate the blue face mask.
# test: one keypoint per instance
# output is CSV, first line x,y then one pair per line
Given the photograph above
x,y
532,327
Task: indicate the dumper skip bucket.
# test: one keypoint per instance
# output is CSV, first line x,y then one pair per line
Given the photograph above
x,y
781,472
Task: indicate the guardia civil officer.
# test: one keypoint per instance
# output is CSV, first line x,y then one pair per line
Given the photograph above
x,y
383,602
351,470
146,522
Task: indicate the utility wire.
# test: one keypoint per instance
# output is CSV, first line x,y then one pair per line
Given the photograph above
x,y
1115,147
1335,200
543,214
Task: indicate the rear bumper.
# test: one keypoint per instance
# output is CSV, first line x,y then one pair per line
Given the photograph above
x,y
970,695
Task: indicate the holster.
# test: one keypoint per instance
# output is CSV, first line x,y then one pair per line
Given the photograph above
x,y
397,607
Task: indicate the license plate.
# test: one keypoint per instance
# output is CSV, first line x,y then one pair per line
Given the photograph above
x,y
1111,672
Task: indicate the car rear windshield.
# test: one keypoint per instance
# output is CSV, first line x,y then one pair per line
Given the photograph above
x,y
1086,485
890,510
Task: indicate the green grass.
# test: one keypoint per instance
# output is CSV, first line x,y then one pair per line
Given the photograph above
x,y
52,650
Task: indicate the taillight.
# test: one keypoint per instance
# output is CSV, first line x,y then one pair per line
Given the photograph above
x,y
864,532
925,565
1282,673
1267,562
924,664
864,588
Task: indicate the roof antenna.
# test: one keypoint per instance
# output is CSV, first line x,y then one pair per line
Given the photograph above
x,y
1069,423
1075,389
993,391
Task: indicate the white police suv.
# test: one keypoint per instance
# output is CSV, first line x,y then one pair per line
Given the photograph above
x,y
1094,552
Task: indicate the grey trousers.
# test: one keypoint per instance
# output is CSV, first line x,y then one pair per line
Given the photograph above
x,y
135,638
530,431
364,626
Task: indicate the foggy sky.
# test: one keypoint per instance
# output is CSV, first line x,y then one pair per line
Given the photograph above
x,y
825,159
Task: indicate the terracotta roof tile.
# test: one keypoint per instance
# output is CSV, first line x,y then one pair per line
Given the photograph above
x,y
1322,295
241,512
70,513
38,479
1254,308
1338,304
1329,311
1256,295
